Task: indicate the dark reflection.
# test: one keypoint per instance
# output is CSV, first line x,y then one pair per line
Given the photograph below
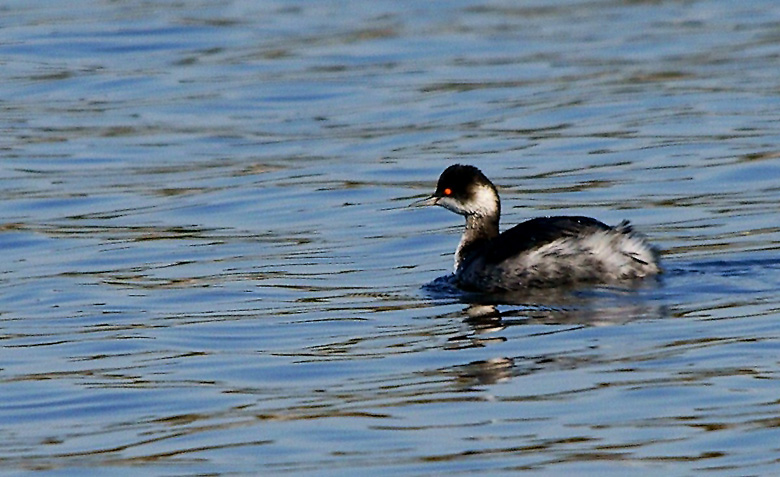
x,y
502,369
486,322
445,287
598,305
491,371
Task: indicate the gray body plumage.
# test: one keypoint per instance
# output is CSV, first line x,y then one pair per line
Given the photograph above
x,y
555,251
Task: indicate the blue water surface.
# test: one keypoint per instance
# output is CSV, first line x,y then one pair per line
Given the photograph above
x,y
210,265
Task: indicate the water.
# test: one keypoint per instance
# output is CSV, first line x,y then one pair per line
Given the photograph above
x,y
209,265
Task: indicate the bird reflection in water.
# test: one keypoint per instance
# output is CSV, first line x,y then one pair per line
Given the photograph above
x,y
485,323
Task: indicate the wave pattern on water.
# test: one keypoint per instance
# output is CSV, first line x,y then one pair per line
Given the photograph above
x,y
209,265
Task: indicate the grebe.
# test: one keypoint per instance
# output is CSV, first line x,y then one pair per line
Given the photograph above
x,y
541,252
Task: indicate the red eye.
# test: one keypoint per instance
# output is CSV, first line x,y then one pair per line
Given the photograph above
x,y
447,191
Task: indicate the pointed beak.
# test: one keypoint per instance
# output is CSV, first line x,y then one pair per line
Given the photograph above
x,y
432,200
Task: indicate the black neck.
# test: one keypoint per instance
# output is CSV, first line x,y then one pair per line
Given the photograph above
x,y
479,230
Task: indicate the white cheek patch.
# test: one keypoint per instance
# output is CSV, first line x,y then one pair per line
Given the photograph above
x,y
485,202
451,204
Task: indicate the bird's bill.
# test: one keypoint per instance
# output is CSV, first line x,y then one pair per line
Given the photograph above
x,y
432,200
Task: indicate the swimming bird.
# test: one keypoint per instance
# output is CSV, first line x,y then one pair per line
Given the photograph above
x,y
541,252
